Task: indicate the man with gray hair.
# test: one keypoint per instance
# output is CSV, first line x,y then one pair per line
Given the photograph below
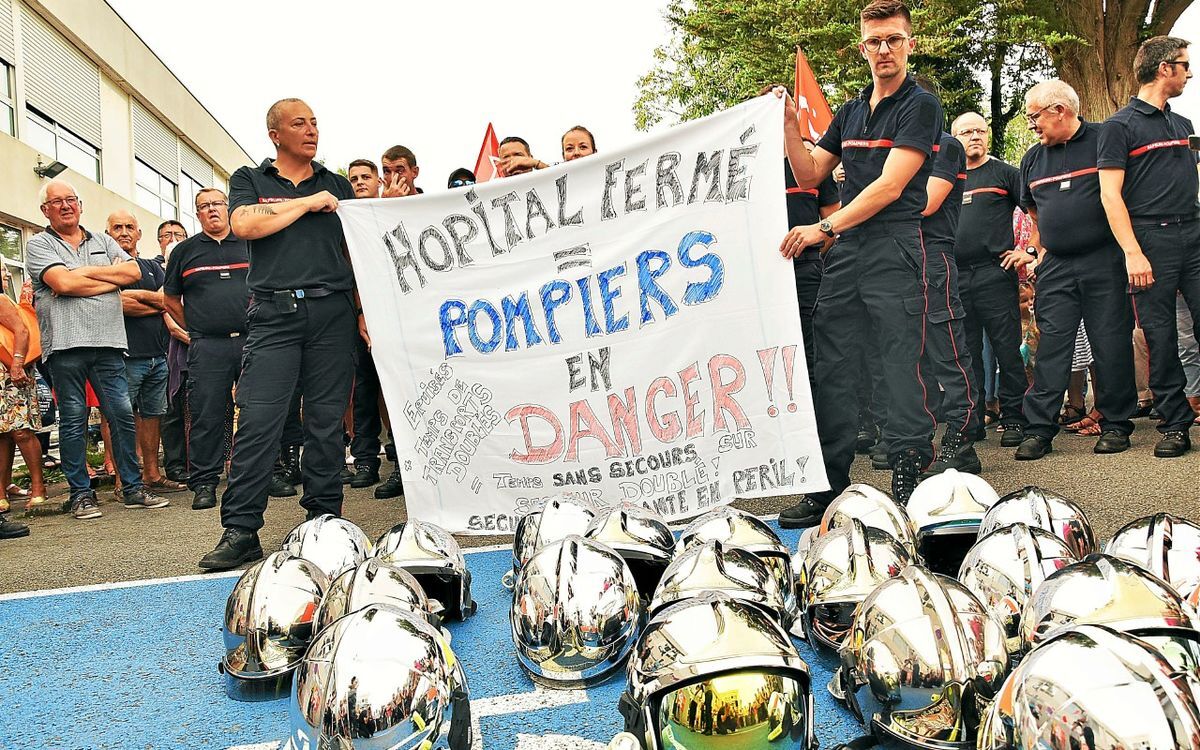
x,y
1082,273
1148,184
76,276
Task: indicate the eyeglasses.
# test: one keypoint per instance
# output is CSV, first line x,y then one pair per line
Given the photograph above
x,y
1187,64
177,234
461,182
1033,119
58,203
973,131
211,204
893,42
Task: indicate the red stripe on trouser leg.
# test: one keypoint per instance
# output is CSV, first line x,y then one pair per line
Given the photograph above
x,y
954,346
924,315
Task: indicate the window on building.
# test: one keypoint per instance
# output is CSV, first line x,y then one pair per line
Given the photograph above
x,y
7,106
188,187
155,193
61,144
12,256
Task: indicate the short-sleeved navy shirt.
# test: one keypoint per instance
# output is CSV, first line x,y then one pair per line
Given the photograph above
x,y
911,117
804,204
985,225
949,164
1151,145
307,254
147,335
210,275
1062,184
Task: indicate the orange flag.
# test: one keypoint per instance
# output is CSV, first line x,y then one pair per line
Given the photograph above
x,y
485,165
815,114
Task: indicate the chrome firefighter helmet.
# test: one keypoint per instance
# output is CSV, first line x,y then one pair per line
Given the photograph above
x,y
875,509
947,510
733,571
270,618
380,677
375,582
1165,545
575,613
554,521
923,656
841,569
333,544
1042,509
1005,567
433,557
1093,687
712,672
734,527
641,537
1105,590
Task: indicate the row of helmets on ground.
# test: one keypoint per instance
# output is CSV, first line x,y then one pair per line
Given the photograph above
x,y
352,632
969,620
702,622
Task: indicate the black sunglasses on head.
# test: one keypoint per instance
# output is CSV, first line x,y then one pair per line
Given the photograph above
x,y
460,182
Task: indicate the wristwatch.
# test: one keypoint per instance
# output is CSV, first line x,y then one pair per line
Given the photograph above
x,y
826,226
1031,250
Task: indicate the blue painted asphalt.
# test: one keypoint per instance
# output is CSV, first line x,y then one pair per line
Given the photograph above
x,y
137,668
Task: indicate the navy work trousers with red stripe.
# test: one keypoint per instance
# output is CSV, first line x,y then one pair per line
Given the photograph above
x,y
873,279
1093,287
1173,249
993,304
947,358
214,363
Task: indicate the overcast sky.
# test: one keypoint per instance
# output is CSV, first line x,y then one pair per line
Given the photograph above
x,y
426,74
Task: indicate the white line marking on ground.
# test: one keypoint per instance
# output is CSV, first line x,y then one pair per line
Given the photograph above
x,y
259,746
556,742
210,576
519,703
118,585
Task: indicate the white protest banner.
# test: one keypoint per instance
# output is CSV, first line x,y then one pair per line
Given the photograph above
x,y
620,327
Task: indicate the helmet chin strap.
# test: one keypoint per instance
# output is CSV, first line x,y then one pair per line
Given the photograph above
x,y
460,722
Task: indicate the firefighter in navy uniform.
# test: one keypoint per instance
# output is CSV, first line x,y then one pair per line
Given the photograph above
x,y
987,269
946,360
884,139
1081,274
807,206
301,327
1148,184
206,292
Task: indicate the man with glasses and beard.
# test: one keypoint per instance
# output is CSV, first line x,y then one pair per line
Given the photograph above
x,y
205,290
884,139
1148,184
1081,275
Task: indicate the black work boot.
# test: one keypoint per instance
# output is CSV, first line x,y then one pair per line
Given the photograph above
x,y
1032,448
879,457
906,470
289,463
1111,442
12,529
237,546
1173,444
205,497
280,487
807,512
866,439
393,487
1012,436
956,453
364,476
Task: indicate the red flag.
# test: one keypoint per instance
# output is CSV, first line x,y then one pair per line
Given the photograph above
x,y
815,114
485,165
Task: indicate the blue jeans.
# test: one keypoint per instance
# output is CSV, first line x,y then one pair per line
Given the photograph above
x,y
147,379
105,368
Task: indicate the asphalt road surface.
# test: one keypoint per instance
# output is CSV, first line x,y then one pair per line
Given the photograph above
x,y
139,544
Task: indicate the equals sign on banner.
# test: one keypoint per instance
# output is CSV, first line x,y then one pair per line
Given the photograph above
x,y
580,255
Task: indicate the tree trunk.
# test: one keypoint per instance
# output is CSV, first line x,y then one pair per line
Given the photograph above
x,y
1101,71
996,101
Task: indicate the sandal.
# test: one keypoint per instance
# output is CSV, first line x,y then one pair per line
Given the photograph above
x,y
1144,409
1071,415
3,504
1089,426
34,503
49,463
990,416
16,491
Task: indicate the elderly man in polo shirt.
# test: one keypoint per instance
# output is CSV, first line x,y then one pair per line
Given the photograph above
x,y
76,277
